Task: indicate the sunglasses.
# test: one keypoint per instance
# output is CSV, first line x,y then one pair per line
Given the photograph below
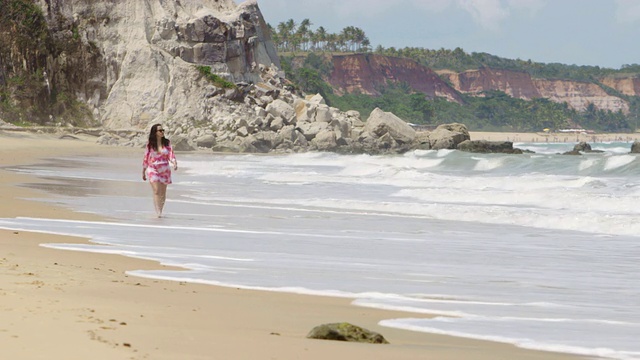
x,y
161,130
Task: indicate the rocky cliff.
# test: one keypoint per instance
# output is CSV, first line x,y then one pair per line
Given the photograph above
x,y
629,86
576,94
369,73
132,62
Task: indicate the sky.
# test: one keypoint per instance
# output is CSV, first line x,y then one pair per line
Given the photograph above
x,y
603,33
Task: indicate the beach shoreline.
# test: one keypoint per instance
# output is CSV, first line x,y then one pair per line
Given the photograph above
x,y
72,305
554,137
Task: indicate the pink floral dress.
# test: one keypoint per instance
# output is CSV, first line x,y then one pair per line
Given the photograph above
x,y
158,164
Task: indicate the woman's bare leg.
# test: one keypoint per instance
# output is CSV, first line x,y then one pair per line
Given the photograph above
x,y
162,196
159,196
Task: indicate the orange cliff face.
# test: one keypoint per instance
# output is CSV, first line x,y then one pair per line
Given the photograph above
x,y
368,73
577,94
513,83
626,85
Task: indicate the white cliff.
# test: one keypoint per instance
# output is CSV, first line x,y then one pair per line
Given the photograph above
x,y
145,54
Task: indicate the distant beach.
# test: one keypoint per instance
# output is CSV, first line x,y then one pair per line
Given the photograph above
x,y
554,137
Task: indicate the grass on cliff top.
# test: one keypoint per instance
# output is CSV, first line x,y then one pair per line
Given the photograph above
x,y
217,80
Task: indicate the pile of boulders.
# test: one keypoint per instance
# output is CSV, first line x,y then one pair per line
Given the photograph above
x,y
271,118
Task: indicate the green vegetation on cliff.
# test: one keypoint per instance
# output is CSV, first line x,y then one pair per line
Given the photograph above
x,y
494,111
34,89
458,60
215,79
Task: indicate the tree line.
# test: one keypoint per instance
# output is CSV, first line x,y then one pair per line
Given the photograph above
x,y
290,36
459,60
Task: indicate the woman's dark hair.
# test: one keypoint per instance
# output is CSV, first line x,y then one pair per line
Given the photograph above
x,y
152,143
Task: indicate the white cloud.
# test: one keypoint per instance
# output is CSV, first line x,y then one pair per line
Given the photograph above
x,y
436,6
368,8
487,13
627,11
531,5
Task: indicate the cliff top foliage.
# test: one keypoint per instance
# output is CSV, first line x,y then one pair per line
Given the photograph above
x,y
291,37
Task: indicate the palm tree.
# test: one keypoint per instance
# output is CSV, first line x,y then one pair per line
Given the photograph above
x,y
332,42
275,37
321,34
358,37
291,26
304,32
347,37
284,35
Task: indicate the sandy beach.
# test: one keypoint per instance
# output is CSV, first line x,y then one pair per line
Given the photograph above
x,y
72,305
553,137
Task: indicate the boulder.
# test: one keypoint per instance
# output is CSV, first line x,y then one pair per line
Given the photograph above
x,y
421,142
580,148
183,143
484,146
346,332
323,114
310,130
282,109
448,136
255,144
316,99
325,140
206,141
353,114
635,147
304,110
380,123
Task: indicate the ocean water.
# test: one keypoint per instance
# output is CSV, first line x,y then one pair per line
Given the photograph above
x,y
538,250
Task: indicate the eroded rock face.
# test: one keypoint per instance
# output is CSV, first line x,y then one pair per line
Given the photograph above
x,y
520,85
579,95
513,83
365,73
145,53
629,86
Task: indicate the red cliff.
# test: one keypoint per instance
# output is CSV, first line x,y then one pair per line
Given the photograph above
x,y
368,73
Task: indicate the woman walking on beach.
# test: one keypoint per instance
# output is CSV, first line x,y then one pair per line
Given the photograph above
x,y
156,165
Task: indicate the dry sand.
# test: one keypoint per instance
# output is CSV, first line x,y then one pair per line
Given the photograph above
x,y
69,305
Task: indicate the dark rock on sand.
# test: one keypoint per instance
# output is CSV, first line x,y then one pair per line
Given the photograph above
x,y
346,332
